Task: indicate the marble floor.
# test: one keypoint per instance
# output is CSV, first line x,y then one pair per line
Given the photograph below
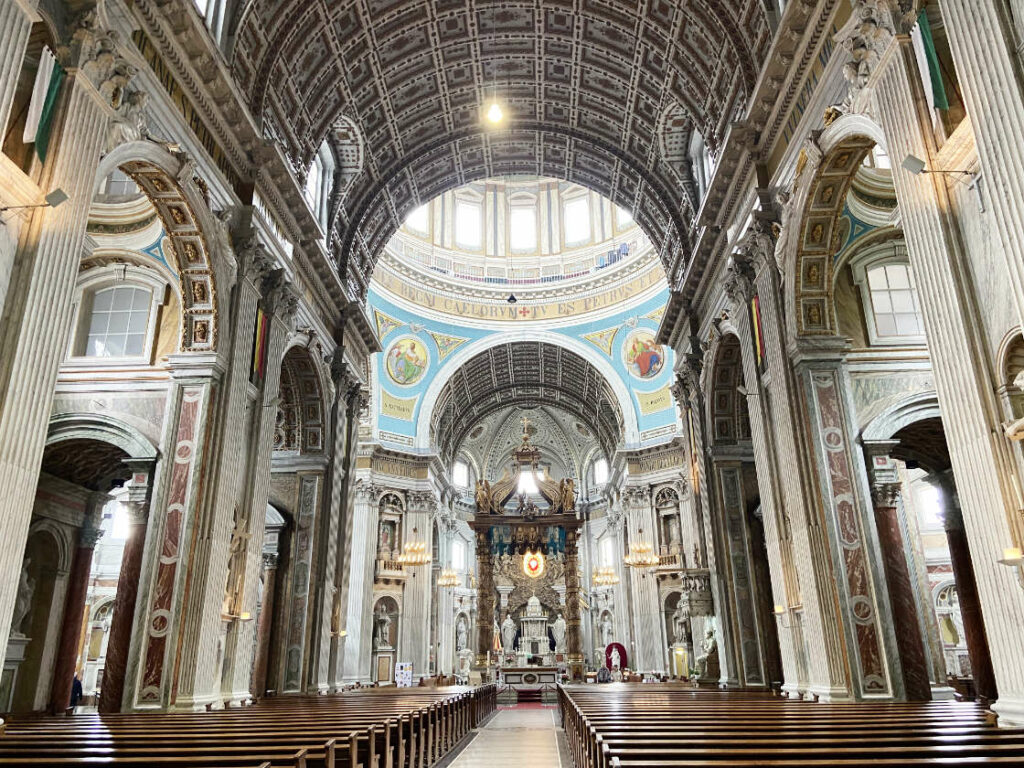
x,y
518,737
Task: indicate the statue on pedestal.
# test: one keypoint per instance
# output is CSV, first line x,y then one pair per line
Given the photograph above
x,y
616,658
707,662
460,634
23,601
558,630
508,633
606,631
679,626
382,635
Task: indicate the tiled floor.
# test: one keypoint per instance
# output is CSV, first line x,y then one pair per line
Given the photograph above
x,y
514,738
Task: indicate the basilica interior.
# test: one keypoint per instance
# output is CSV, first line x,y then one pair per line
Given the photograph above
x,y
498,382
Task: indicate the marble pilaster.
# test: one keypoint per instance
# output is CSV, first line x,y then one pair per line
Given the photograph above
x,y
648,649
414,626
16,17
362,552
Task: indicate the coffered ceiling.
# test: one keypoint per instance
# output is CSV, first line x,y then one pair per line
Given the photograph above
x,y
598,92
525,374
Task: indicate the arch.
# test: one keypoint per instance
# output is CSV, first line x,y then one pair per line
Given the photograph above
x,y
727,407
627,409
1011,357
924,405
300,423
825,172
168,182
101,428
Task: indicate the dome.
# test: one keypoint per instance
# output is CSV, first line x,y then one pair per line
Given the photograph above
x,y
559,248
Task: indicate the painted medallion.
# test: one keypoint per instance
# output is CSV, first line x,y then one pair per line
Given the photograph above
x,y
644,357
406,361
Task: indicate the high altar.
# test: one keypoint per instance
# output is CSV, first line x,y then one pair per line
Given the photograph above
x,y
524,555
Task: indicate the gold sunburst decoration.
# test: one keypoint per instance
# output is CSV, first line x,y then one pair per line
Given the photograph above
x,y
533,564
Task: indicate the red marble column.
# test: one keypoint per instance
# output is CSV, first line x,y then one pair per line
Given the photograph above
x,y
123,619
970,603
913,659
71,626
259,672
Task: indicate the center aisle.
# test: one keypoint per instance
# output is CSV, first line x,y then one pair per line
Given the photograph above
x,y
514,738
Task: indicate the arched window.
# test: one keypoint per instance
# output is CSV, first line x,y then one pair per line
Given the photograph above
x,y
116,316
215,15
460,474
458,555
523,228
623,218
319,180
576,222
600,470
468,224
419,220
889,295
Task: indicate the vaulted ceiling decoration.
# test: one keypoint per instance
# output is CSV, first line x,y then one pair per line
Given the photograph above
x,y
586,85
525,374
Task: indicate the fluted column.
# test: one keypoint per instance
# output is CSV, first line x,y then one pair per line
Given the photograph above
x,y
358,620
980,456
414,625
990,80
37,311
15,25
648,649
74,606
345,414
122,622
259,670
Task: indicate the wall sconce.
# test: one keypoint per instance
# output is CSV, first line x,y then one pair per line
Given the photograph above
x,y
782,614
1013,558
52,200
243,616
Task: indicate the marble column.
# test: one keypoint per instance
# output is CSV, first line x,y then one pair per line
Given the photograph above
x,y
416,598
36,317
278,302
16,18
648,650
913,662
980,457
122,622
362,553
74,606
342,506
259,671
574,632
985,682
990,80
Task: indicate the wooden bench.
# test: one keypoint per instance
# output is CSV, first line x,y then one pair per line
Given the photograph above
x,y
651,725
361,728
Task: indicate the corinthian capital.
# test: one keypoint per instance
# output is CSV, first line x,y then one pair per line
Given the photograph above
x,y
872,27
93,51
739,279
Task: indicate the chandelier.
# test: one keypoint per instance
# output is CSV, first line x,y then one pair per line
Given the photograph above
x,y
641,553
605,576
448,578
414,553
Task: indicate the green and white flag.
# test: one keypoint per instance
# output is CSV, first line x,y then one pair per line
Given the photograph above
x,y
43,102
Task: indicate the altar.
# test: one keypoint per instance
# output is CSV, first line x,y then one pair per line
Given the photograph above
x,y
529,677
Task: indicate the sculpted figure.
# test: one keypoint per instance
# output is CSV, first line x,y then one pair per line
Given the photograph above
x,y
558,630
508,633
382,637
606,631
616,659
679,626
707,662
568,494
23,602
460,635
483,497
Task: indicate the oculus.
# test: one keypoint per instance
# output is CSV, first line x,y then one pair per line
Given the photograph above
x,y
406,361
533,564
644,358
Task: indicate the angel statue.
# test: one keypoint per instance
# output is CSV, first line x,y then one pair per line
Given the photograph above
x,y
568,500
483,497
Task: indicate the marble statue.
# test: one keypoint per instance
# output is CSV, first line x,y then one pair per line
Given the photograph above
x,y
679,626
568,495
508,633
616,659
483,497
707,662
558,630
23,601
606,631
460,634
382,639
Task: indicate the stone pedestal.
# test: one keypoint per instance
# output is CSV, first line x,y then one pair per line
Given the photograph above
x,y
15,654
